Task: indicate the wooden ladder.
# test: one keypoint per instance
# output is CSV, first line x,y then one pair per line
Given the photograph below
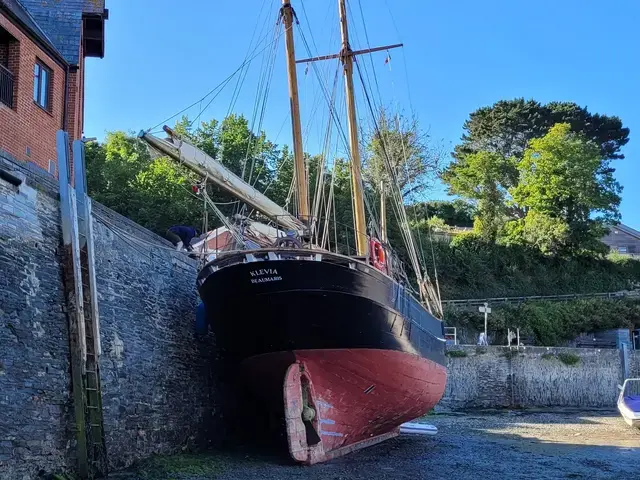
x,y
82,302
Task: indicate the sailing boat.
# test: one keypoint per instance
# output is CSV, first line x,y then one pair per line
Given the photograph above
x,y
337,345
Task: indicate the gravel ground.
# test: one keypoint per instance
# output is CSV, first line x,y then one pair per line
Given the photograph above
x,y
514,445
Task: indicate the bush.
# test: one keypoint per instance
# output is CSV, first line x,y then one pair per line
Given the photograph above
x,y
456,353
551,323
471,268
568,358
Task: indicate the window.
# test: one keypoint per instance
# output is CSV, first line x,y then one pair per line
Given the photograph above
x,y
41,84
622,249
8,68
631,248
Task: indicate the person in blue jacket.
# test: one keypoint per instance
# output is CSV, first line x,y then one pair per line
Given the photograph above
x,y
181,235
202,326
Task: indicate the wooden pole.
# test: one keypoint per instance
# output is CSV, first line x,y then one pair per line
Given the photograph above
x,y
75,303
383,213
353,53
302,189
356,175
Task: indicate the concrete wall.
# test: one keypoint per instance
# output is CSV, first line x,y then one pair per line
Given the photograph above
x,y
496,377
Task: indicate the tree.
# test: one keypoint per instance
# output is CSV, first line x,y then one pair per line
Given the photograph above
x,y
507,126
458,213
568,192
247,154
485,167
483,181
154,192
407,148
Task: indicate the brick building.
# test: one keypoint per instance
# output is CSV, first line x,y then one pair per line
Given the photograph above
x,y
43,46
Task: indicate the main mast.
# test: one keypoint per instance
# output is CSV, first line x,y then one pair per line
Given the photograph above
x,y
302,189
346,56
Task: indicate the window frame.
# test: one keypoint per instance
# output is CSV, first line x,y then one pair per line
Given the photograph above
x,y
38,68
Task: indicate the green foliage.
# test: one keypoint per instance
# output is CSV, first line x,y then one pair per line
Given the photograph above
x,y
457,213
568,192
507,126
456,353
470,267
481,178
408,151
154,192
161,467
552,323
569,359
546,233
516,166
548,356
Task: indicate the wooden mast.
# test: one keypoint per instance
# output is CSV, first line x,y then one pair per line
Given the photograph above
x,y
347,56
302,188
356,175
383,213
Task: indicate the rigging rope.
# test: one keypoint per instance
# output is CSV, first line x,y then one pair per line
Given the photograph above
x,y
426,289
222,84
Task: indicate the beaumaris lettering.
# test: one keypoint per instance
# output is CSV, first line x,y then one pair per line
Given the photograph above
x,y
265,275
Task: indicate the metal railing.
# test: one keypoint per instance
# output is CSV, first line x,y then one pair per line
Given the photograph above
x,y
6,86
451,335
472,302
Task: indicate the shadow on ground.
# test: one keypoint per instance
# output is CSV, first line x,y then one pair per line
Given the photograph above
x,y
541,446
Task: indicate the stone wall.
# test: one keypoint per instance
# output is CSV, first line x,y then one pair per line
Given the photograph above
x,y
157,383
634,364
35,400
161,385
157,378
497,377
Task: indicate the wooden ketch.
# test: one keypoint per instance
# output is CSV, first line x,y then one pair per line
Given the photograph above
x,y
335,345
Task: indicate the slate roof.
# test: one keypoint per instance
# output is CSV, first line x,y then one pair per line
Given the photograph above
x,y
18,11
628,230
61,21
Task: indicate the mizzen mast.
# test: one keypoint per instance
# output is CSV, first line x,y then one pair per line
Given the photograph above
x,y
302,188
347,56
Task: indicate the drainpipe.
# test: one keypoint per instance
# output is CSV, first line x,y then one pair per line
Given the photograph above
x,y
66,98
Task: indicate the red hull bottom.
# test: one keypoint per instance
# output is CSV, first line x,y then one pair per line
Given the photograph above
x,y
338,401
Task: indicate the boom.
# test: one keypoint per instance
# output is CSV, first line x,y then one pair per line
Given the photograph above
x,y
204,165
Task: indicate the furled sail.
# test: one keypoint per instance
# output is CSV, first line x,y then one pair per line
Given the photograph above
x,y
202,164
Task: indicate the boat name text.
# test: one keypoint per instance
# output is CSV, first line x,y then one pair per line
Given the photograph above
x,y
265,275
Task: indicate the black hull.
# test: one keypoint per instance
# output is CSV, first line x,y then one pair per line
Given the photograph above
x,y
284,300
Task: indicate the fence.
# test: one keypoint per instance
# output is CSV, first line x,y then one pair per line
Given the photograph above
x,y
476,302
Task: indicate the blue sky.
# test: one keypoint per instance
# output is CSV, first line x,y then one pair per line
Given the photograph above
x,y
458,56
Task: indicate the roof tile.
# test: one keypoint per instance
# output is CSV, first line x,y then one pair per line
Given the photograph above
x,y
61,20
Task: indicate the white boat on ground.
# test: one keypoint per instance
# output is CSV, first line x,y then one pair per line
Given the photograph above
x,y
629,401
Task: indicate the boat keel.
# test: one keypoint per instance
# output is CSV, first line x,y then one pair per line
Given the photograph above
x,y
301,421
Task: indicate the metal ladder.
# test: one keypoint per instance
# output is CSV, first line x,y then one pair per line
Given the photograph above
x,y
82,303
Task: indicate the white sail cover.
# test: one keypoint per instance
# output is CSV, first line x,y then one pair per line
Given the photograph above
x,y
201,163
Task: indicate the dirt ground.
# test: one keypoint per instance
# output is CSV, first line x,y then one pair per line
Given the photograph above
x,y
513,445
